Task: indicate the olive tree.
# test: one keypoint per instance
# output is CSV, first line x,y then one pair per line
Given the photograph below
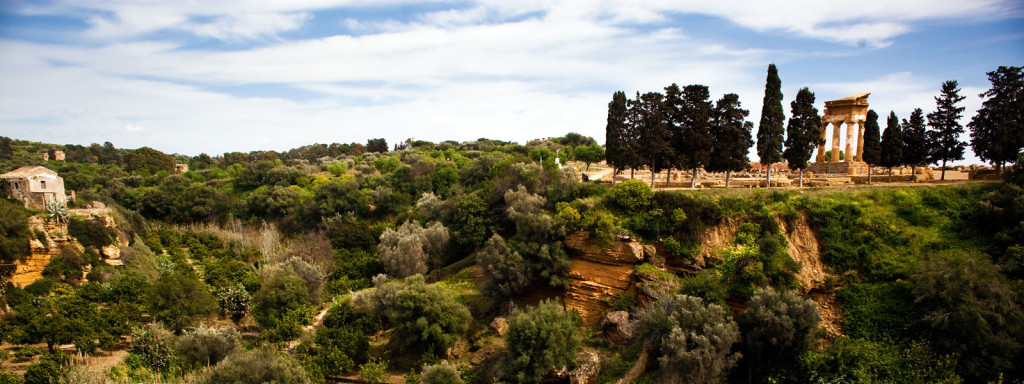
x,y
409,250
696,339
539,339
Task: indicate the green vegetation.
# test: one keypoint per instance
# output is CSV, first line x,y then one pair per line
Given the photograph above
x,y
329,261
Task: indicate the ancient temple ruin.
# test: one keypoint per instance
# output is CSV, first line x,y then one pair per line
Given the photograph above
x,y
851,112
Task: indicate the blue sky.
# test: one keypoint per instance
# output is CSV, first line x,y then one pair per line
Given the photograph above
x,y
240,75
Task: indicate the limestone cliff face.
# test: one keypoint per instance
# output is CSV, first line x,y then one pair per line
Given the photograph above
x,y
30,268
599,273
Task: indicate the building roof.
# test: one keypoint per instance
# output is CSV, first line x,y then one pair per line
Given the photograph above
x,y
855,99
29,171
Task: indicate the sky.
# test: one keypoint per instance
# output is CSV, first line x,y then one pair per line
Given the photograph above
x,y
190,76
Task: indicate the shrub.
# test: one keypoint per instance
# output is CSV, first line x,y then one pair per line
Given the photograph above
x,y
408,250
263,365
779,325
540,338
234,301
374,371
178,301
696,340
14,231
426,317
92,232
154,344
443,373
507,273
281,293
632,195
44,371
206,346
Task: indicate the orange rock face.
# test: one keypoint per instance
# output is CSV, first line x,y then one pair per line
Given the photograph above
x,y
597,274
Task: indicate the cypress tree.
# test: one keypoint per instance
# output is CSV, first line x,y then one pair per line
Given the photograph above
x,y
697,114
944,136
872,151
997,131
770,129
892,144
915,148
730,137
615,133
652,131
677,138
803,134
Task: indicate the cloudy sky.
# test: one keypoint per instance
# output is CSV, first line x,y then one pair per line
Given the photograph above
x,y
192,76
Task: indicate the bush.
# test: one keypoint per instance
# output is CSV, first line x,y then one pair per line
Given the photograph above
x,y
696,340
14,231
92,232
540,338
632,195
259,366
282,293
206,346
44,371
442,373
234,301
374,372
179,301
507,273
412,249
779,325
154,345
426,317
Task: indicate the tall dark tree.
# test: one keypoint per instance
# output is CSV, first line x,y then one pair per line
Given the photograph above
x,y
770,129
915,141
730,137
674,107
698,115
651,123
615,139
803,135
377,145
892,144
997,131
944,136
872,151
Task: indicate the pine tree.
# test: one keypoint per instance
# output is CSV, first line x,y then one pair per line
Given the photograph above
x,y
615,133
892,144
944,136
674,105
731,138
915,141
770,129
650,120
695,116
872,151
997,131
803,135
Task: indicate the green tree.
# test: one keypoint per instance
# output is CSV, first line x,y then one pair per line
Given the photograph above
x,y
14,233
148,159
691,115
618,143
770,129
377,145
506,270
589,154
972,310
997,131
651,126
892,144
872,150
916,149
803,135
282,293
779,325
944,135
178,301
412,249
540,338
730,137
426,317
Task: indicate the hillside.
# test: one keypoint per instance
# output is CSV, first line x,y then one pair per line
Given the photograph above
x,y
473,262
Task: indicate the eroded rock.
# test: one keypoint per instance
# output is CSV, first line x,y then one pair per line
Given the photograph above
x,y
588,365
499,325
618,329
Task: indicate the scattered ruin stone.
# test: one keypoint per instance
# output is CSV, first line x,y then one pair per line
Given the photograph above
x,y
588,365
499,325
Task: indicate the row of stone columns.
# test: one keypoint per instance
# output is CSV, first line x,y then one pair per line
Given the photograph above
x,y
850,134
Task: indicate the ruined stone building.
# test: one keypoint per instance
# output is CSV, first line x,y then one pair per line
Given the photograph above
x,y
35,186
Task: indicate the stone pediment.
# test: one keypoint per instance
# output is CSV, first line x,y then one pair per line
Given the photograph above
x,y
855,99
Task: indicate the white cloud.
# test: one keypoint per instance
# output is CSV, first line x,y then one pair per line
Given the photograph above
x,y
248,26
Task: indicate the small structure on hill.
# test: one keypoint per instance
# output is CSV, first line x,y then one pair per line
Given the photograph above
x,y
849,110
180,168
35,186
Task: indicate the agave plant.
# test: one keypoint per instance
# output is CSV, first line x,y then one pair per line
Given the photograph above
x,y
57,211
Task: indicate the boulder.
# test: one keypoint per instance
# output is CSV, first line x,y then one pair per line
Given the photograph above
x,y
588,365
499,325
618,329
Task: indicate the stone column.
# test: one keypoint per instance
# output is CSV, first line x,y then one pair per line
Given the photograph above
x,y
821,148
848,154
835,140
860,140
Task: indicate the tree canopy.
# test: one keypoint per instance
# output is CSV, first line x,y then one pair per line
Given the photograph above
x,y
997,130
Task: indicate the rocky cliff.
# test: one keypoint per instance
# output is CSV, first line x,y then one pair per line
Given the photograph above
x,y
597,273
